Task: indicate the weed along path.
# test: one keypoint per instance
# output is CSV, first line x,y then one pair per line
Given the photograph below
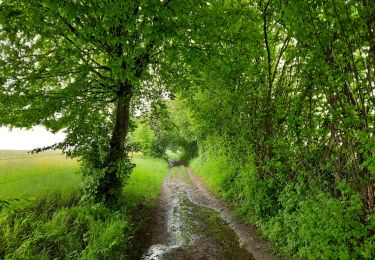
x,y
190,223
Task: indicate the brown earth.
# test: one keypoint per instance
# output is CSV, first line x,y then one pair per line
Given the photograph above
x,y
190,223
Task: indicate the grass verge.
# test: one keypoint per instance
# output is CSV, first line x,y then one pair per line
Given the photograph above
x,y
58,227
301,221
140,195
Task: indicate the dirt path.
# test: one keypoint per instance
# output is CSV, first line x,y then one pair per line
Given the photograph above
x,y
190,223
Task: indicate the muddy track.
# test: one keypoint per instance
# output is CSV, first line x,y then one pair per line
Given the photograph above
x,y
190,223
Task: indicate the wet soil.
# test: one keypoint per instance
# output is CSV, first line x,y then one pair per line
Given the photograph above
x,y
190,223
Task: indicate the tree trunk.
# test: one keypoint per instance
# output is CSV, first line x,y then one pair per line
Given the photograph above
x,y
111,185
120,131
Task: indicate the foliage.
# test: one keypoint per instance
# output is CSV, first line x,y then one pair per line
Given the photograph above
x,y
280,92
288,87
306,223
105,183
144,136
83,67
52,227
281,98
172,125
321,227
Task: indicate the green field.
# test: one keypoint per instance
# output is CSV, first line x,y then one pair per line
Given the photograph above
x,y
24,175
55,226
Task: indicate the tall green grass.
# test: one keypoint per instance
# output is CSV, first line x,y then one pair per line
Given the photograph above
x,y
56,226
212,172
143,186
303,222
25,176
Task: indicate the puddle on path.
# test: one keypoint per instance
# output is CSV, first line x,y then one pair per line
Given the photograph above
x,y
191,231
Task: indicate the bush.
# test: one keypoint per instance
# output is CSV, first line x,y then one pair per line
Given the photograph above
x,y
255,198
54,228
320,227
299,220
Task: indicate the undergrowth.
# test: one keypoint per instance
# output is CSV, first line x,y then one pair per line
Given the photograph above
x,y
298,220
52,228
60,227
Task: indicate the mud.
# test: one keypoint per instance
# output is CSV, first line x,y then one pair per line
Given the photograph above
x,y
190,223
